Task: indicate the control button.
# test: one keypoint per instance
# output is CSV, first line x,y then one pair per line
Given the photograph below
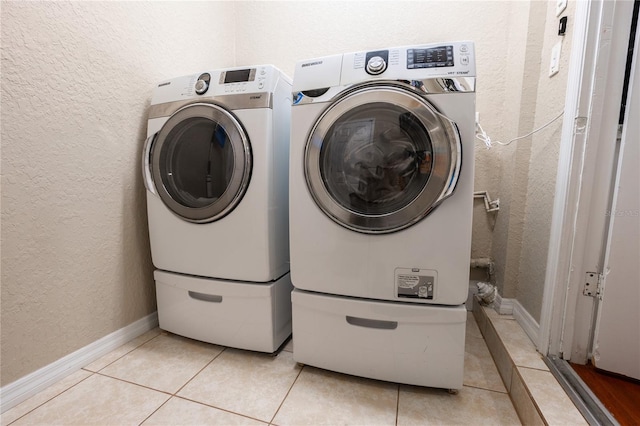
x,y
260,84
464,60
464,48
376,65
263,71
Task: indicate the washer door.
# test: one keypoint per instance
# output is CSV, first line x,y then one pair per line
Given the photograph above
x,y
201,163
380,158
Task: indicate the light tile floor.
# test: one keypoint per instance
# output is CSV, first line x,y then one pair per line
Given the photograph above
x,y
163,379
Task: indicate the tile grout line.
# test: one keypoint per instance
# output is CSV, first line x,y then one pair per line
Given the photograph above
x,y
91,373
171,395
485,389
398,405
515,371
175,394
286,396
535,404
224,348
155,411
52,398
531,368
219,408
133,383
120,357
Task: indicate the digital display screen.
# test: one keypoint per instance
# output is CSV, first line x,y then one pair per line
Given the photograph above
x,y
430,58
237,76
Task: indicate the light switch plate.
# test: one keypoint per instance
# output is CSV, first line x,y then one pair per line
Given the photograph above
x,y
554,66
561,5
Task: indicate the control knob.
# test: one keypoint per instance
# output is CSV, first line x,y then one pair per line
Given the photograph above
x,y
376,65
201,86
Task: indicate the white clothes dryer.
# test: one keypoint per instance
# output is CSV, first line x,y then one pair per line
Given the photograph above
x,y
381,193
215,168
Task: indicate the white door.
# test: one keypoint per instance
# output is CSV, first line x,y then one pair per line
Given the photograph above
x,y
617,335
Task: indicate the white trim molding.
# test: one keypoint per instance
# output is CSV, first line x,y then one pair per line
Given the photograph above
x,y
567,188
505,306
526,321
27,386
502,305
597,60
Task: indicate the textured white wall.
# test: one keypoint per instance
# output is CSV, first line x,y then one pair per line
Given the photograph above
x,y
76,81
542,167
507,236
521,237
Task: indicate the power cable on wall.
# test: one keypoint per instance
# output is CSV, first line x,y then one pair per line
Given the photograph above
x,y
482,135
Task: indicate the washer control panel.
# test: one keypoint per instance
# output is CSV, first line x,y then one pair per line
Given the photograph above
x,y
437,60
431,57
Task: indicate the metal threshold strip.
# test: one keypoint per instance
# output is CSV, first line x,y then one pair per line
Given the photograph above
x,y
587,403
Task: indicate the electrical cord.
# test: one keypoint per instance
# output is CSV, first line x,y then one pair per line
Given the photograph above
x,y
482,135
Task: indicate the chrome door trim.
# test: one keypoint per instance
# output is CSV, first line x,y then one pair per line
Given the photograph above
x,y
453,132
446,85
230,102
432,86
242,164
446,145
147,176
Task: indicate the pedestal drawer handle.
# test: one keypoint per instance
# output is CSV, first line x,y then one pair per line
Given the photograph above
x,y
205,297
372,323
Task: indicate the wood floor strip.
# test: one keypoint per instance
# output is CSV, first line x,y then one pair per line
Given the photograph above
x,y
621,397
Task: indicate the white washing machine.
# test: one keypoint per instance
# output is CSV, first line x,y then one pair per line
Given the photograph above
x,y
215,167
381,193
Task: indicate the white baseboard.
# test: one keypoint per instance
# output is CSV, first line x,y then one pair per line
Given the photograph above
x,y
24,388
526,321
513,307
502,305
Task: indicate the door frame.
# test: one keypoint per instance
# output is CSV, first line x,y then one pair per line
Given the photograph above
x,y
578,227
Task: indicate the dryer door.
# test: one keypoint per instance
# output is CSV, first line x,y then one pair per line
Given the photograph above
x,y
381,158
201,163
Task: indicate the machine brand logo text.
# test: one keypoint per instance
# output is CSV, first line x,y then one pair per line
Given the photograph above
x,y
310,64
164,84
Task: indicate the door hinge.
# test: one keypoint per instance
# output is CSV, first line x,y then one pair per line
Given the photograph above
x,y
593,284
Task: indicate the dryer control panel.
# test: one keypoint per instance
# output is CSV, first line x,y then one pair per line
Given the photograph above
x,y
241,80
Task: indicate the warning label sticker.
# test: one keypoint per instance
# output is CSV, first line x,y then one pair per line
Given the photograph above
x,y
415,283
408,281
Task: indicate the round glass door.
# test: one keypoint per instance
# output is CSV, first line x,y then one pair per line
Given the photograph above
x,y
381,158
201,163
